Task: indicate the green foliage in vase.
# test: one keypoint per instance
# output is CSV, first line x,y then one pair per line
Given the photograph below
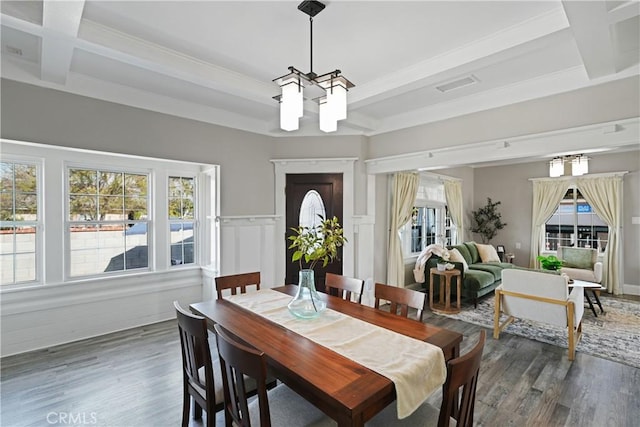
x,y
486,221
315,244
549,262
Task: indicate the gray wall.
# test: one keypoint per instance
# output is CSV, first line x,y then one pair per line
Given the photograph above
x,y
47,116
511,186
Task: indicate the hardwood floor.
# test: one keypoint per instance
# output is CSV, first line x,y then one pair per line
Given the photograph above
x,y
132,378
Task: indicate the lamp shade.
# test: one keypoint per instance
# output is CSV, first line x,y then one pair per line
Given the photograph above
x,y
337,97
328,122
556,167
579,165
291,104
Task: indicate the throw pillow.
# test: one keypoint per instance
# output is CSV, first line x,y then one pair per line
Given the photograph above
x,y
487,253
456,256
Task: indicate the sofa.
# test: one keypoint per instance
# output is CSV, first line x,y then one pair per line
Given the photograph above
x,y
580,263
479,279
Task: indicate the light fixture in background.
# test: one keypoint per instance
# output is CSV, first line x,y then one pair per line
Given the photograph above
x,y
579,165
332,106
556,167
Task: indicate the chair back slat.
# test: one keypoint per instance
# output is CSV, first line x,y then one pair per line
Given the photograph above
x,y
462,372
237,282
238,360
400,299
347,288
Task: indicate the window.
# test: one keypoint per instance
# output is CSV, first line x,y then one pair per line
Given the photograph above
x,y
311,209
575,224
430,220
107,222
182,219
19,218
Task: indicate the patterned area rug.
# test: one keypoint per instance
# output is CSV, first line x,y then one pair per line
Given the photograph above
x,y
614,335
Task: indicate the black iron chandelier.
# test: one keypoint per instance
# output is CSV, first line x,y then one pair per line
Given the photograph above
x,y
332,106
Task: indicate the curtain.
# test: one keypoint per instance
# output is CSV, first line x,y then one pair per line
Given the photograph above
x,y
405,187
546,197
605,197
453,193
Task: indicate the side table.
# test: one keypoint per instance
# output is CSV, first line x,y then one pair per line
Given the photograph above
x,y
444,305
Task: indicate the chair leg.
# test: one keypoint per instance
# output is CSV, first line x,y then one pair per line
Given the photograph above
x,y
496,317
186,407
197,411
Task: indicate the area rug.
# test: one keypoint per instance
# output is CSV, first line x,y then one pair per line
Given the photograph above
x,y
614,335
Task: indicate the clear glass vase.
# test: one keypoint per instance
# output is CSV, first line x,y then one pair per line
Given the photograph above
x,y
307,303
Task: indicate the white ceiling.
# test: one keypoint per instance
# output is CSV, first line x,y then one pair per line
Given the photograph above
x,y
214,61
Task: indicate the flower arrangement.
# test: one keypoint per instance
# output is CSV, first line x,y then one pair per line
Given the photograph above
x,y
319,243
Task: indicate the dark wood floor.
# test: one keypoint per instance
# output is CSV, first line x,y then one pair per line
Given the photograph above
x,y
132,378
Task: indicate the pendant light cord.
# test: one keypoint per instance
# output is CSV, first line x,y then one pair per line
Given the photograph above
x,y
311,43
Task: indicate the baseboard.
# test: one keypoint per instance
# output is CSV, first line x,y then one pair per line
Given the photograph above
x,y
631,289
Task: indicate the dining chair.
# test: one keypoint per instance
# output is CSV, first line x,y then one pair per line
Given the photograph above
x,y
235,281
197,373
400,299
456,408
280,406
344,287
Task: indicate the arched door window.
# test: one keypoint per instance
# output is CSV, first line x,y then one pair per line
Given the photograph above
x,y
311,207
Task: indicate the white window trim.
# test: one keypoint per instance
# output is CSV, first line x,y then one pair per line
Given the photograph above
x,y
38,162
52,252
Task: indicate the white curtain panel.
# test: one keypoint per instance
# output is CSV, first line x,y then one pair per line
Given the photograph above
x,y
405,187
604,194
453,193
546,197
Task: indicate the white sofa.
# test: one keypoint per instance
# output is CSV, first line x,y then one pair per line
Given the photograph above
x,y
541,297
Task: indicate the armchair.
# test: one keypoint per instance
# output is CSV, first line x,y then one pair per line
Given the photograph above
x,y
580,263
540,297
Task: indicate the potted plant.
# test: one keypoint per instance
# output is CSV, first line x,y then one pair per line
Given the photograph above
x,y
313,245
549,262
486,221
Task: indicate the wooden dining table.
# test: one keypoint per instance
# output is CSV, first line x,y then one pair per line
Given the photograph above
x,y
343,389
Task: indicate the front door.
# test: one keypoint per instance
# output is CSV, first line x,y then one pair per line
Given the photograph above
x,y
312,194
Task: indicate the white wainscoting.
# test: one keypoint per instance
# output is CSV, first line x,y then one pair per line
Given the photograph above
x,y
249,243
363,254
46,315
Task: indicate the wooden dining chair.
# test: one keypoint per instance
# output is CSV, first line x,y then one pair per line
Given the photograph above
x,y
197,373
237,281
400,299
280,406
344,287
456,408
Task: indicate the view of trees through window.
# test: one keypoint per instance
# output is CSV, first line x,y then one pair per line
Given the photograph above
x,y
575,224
107,221
18,222
181,219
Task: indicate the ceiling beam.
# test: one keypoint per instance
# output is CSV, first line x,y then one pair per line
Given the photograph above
x,y
589,21
63,19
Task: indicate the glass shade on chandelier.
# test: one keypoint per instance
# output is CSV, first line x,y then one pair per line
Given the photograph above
x,y
291,103
556,167
579,165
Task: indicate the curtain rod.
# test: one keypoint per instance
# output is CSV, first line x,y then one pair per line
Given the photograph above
x,y
588,176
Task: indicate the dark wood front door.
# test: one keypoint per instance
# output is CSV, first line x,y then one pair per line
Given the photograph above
x,y
326,188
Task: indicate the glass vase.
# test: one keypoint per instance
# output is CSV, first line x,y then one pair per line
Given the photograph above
x,y
307,303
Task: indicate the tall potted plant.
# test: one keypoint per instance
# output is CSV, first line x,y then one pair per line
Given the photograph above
x,y
486,221
313,245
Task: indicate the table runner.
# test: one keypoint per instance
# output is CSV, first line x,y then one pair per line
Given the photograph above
x,y
416,368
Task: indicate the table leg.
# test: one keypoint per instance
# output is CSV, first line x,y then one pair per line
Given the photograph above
x,y
595,295
441,297
431,291
447,304
458,291
586,295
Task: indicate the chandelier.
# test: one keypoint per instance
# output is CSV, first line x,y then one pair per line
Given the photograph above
x,y
332,106
579,165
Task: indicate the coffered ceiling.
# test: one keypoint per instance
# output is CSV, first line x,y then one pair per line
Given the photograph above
x,y
214,61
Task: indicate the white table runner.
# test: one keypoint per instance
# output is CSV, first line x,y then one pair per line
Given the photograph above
x,y
416,368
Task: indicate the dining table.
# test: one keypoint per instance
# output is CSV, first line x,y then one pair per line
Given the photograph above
x,y
343,389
